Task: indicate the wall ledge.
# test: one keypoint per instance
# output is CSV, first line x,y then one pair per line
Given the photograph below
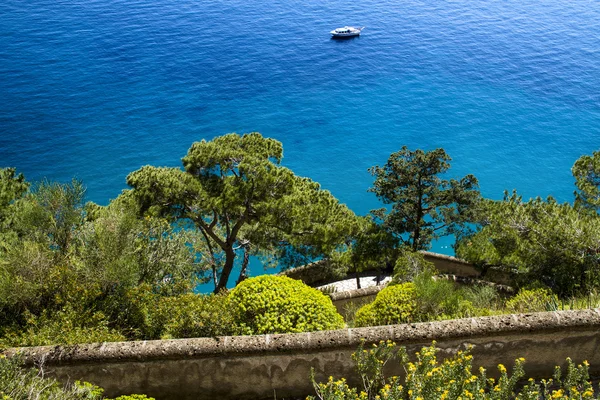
x,y
502,325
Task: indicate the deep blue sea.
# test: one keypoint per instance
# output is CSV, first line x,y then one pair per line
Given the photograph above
x,y
95,89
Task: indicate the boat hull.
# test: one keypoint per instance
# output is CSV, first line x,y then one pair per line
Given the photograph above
x,y
344,35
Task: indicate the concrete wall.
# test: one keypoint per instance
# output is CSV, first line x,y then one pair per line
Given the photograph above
x,y
278,366
354,298
310,274
318,272
451,265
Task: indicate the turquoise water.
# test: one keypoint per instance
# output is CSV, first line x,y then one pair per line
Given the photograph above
x,y
97,88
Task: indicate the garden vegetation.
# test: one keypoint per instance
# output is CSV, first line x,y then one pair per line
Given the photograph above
x,y
73,271
449,379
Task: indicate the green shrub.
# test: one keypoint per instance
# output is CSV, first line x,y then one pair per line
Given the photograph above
x,y
483,297
449,379
411,264
425,299
133,397
532,300
278,304
17,383
135,312
439,299
393,305
194,315
66,326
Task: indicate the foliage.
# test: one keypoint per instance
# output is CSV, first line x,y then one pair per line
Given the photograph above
x,y
532,300
393,305
235,193
119,248
66,326
66,271
12,188
423,205
586,171
411,264
483,297
278,304
133,397
425,299
368,247
537,240
440,299
193,315
449,379
17,383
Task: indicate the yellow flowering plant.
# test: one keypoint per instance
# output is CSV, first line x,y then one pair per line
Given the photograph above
x,y
449,379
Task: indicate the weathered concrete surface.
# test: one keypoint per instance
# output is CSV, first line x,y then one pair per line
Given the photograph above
x,y
310,273
451,265
259,367
356,297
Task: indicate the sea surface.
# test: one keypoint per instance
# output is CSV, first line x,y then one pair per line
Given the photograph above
x,y
95,89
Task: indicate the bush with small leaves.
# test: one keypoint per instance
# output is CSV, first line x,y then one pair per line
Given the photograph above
x,y
66,326
393,305
194,315
532,300
278,304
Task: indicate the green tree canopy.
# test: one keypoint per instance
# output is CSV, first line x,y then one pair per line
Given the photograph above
x,y
235,193
423,205
538,240
13,187
369,247
586,171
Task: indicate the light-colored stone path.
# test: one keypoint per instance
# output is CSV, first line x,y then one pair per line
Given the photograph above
x,y
350,284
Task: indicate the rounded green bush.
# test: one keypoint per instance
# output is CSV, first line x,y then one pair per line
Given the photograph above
x,y
278,304
393,305
532,300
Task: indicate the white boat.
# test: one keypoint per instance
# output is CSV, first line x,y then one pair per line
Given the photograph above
x,y
346,31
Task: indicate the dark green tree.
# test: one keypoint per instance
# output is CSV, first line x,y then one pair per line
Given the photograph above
x,y
235,193
423,206
537,240
368,248
586,171
13,188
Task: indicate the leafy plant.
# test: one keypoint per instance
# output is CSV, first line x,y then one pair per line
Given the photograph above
x,y
531,300
537,240
194,315
66,326
483,297
449,379
393,305
18,383
278,304
410,265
